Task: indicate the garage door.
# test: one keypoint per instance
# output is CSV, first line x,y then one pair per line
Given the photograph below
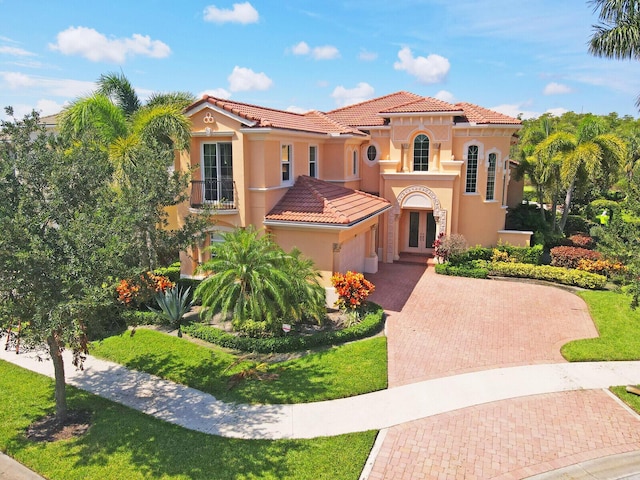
x,y
352,254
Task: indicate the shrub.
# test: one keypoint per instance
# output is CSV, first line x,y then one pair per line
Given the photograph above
x,y
546,272
470,255
499,256
461,270
172,272
569,257
447,246
577,224
582,241
139,291
352,289
600,205
523,254
371,324
601,267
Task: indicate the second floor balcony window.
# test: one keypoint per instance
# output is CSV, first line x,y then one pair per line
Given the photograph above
x,y
217,172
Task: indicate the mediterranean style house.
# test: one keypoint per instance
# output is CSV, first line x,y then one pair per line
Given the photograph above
x,y
353,186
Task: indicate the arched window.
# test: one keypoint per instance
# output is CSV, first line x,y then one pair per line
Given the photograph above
x,y
472,169
491,177
421,153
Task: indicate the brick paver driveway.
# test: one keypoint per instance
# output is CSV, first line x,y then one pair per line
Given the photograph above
x,y
439,326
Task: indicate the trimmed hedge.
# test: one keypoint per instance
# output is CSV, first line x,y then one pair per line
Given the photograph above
x,y
530,255
546,272
569,257
461,270
371,324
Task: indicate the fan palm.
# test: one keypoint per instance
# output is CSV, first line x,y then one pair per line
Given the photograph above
x,y
589,151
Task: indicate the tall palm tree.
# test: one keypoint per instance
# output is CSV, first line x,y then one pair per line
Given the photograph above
x,y
589,152
118,119
252,278
618,34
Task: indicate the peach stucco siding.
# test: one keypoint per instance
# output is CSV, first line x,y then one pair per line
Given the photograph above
x,y
435,199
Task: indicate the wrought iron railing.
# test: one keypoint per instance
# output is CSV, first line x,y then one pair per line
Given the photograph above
x,y
220,194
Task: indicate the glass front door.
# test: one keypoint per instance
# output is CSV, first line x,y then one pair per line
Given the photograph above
x,y
421,231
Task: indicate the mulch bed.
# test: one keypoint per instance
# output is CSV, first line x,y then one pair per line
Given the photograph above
x,y
48,429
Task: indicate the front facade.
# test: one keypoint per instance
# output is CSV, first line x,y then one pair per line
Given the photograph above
x,y
356,185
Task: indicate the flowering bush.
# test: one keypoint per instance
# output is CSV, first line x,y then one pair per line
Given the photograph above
x,y
448,245
569,257
500,256
141,290
352,289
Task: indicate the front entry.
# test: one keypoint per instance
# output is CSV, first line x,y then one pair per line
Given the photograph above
x,y
420,231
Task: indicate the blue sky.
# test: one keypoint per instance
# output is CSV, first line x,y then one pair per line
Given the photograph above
x,y
514,56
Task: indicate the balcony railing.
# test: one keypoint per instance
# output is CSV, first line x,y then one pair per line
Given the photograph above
x,y
220,194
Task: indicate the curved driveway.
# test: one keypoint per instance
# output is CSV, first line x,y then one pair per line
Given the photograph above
x,y
439,326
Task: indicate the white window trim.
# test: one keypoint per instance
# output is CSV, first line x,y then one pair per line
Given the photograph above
x,y
317,160
412,153
473,143
495,174
290,181
355,163
365,154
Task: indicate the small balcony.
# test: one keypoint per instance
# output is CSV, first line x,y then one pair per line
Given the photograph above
x,y
219,194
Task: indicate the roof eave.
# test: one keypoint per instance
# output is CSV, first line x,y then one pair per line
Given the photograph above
x,y
324,226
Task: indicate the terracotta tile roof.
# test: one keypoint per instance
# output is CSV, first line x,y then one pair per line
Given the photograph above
x,y
315,201
481,115
424,104
367,113
315,122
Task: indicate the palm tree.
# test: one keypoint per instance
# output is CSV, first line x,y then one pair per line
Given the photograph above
x,y
618,34
589,153
254,279
119,121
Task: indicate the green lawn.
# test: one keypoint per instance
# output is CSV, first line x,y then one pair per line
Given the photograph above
x,y
619,329
124,443
337,372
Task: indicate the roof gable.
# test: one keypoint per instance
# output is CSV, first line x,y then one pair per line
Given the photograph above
x,y
480,115
367,113
315,201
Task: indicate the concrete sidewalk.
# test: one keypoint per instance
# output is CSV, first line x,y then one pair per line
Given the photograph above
x,y
202,412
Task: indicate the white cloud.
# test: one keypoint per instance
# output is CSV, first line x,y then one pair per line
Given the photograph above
x,y
44,107
516,109
367,56
301,49
243,79
216,92
294,109
554,88
15,51
427,70
347,96
58,87
96,47
324,52
557,112
445,96
243,13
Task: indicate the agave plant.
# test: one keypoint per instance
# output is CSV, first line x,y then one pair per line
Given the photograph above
x,y
174,304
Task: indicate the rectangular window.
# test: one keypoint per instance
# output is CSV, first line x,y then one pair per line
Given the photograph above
x,y
472,169
217,172
285,162
354,166
313,161
491,177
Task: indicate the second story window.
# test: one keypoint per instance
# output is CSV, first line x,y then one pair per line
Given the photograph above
x,y
313,161
285,163
491,177
354,163
472,169
217,172
421,153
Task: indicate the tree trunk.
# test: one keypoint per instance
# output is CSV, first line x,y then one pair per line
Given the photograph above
x,y
554,207
540,194
567,205
55,350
